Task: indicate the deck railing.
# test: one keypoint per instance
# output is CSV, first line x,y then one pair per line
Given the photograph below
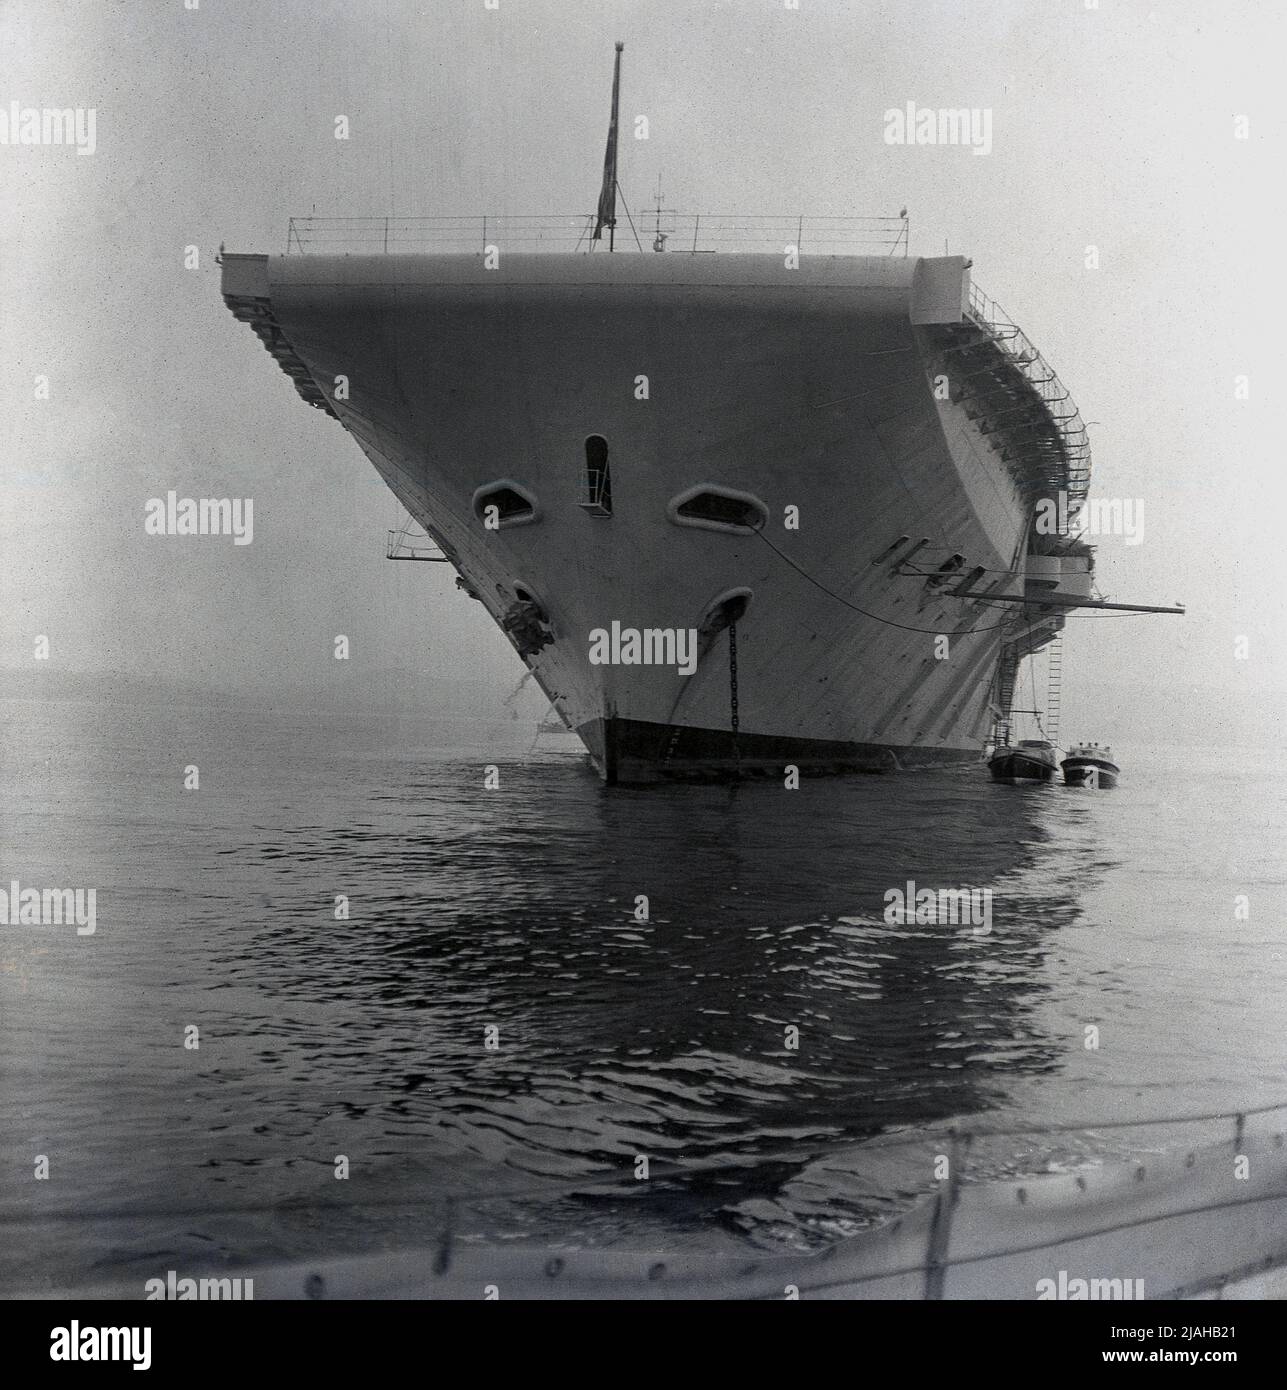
x,y
1019,351
691,233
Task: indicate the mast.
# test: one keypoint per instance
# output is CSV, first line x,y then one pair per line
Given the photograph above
x,y
607,214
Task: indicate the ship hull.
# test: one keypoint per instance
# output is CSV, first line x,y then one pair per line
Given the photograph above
x,y
634,752
815,392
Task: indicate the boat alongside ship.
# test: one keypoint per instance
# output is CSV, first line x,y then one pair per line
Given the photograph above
x,y
1090,765
1029,760
1035,760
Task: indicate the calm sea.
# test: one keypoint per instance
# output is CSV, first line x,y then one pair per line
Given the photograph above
x,y
514,910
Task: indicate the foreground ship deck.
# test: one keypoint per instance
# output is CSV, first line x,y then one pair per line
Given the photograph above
x,y
1188,1223
736,512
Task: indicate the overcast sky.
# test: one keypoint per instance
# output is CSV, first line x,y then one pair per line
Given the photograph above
x,y
1112,127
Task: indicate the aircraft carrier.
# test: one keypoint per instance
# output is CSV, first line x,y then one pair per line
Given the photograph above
x,y
824,469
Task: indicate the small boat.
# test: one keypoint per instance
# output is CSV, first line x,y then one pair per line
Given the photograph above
x,y
1090,765
1029,760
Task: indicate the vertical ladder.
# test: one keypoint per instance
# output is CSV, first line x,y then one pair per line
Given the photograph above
x,y
1007,670
1054,686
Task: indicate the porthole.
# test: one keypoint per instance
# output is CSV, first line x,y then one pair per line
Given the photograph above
x,y
717,508
514,505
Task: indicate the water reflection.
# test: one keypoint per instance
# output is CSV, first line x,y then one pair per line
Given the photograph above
x,y
515,910
365,1035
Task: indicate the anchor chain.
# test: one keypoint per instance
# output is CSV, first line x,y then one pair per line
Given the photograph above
x,y
732,697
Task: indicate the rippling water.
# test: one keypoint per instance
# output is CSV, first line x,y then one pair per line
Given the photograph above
x,y
514,909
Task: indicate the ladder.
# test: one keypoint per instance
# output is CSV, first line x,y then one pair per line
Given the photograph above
x,y
1054,686
1007,671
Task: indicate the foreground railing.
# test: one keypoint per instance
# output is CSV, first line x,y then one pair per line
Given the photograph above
x,y
1175,1221
693,233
